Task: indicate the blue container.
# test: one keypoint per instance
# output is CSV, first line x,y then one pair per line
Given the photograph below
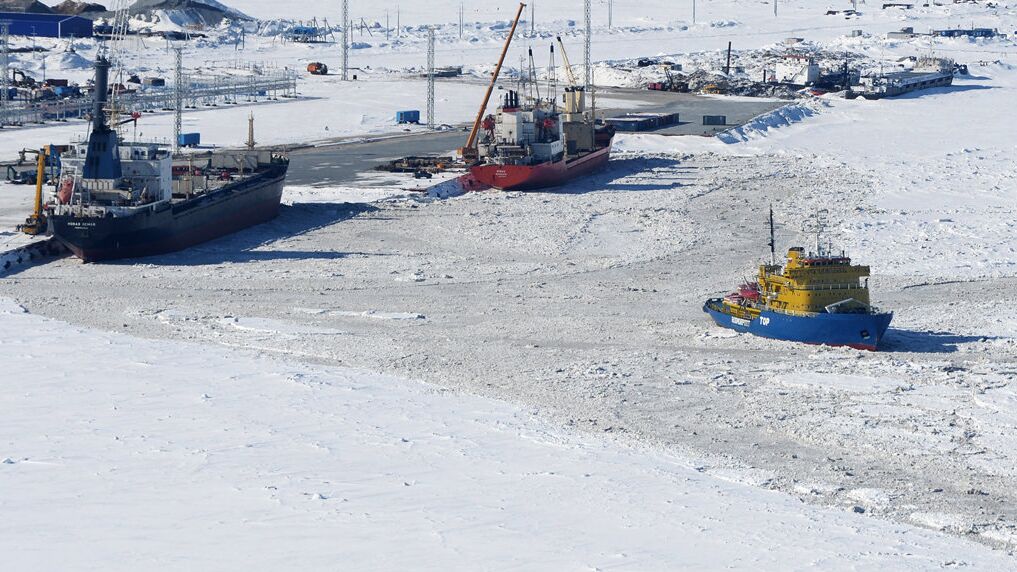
x,y
411,116
67,91
189,139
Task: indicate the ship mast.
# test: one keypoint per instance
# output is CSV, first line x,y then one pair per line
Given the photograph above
x,y
773,241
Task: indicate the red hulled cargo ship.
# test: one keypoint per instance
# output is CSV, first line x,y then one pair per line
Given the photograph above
x,y
535,144
537,147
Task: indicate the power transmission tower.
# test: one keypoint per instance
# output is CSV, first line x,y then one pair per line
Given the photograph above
x,y
178,108
346,40
5,64
430,77
589,62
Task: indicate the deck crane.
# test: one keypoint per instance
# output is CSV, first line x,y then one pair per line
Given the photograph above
x,y
575,94
469,151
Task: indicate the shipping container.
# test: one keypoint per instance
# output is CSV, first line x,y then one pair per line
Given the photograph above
x,y
189,139
410,116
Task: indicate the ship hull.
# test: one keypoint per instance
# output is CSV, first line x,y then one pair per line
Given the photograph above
x,y
168,228
860,331
543,175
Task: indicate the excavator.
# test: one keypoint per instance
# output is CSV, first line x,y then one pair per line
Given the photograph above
x,y
36,223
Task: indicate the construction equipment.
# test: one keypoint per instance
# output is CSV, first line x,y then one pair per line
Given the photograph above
x,y
575,94
469,151
36,223
317,68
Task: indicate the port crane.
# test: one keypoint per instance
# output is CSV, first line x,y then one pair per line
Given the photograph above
x,y
469,151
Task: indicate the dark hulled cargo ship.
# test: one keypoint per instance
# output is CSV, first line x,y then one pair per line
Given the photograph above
x,y
117,199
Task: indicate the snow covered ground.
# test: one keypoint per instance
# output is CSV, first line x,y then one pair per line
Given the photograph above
x,y
145,454
617,427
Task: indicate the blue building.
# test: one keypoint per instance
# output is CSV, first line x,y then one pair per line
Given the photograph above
x,y
47,25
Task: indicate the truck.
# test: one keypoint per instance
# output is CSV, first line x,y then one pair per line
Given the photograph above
x,y
317,68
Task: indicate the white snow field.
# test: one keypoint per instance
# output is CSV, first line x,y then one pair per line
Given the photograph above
x,y
378,380
135,454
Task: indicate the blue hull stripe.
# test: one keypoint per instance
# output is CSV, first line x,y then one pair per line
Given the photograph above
x,y
863,331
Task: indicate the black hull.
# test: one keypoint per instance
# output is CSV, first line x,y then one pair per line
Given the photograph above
x,y
169,228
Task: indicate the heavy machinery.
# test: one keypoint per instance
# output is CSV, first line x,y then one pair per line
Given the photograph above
x,y
36,223
317,68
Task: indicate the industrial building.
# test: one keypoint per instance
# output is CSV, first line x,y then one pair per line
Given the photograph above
x,y
47,25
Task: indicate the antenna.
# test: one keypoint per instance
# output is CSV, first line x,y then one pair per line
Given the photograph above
x,y
773,240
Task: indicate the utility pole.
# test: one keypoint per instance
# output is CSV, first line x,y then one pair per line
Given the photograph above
x,y
460,21
610,14
693,11
387,29
399,26
178,108
533,18
346,40
430,77
774,8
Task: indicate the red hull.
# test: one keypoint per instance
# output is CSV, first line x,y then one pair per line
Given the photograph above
x,y
542,176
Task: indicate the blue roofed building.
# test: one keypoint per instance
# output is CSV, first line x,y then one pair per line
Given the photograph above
x,y
47,25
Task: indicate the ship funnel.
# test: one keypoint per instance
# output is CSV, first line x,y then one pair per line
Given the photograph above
x,y
102,66
102,160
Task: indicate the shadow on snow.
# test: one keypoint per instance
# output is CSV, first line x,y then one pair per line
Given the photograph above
x,y
926,342
293,221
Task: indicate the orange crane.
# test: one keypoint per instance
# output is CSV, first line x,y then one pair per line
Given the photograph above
x,y
469,151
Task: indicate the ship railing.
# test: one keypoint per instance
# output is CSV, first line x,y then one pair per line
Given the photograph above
x,y
827,287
